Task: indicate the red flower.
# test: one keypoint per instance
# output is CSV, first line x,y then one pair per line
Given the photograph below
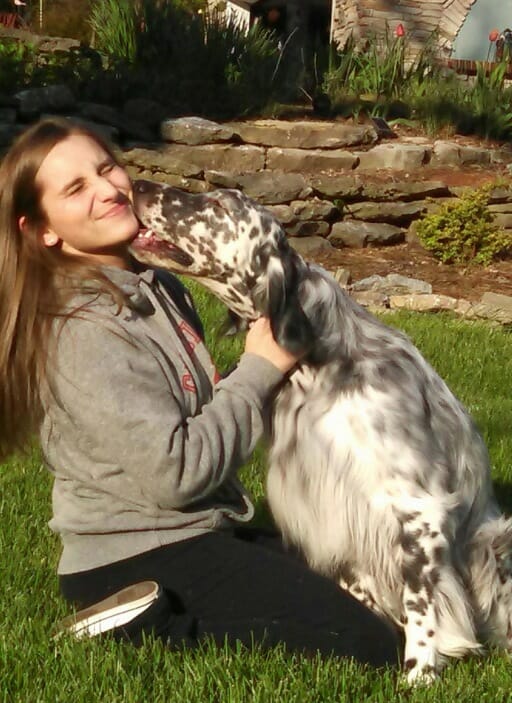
x,y
400,30
273,15
493,35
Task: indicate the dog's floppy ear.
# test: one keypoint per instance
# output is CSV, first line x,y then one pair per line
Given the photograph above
x,y
290,326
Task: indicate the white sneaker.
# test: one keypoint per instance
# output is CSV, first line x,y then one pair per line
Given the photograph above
x,y
115,611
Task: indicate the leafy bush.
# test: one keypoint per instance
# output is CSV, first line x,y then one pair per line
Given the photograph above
x,y
464,231
16,60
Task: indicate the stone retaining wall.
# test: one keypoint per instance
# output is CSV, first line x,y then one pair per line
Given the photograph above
x,y
331,184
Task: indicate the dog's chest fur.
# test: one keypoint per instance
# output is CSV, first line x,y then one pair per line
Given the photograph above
x,y
304,482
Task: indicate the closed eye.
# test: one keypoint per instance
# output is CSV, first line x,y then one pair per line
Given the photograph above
x,y
74,187
106,168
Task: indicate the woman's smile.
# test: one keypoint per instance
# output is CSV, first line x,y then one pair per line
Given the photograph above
x,y
86,199
120,208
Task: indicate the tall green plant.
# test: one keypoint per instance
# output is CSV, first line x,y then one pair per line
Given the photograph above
x,y
115,25
192,61
378,72
489,101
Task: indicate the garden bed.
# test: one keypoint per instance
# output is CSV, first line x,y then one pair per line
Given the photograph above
x,y
468,282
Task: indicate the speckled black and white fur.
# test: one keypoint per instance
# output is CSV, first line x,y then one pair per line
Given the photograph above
x,y
376,471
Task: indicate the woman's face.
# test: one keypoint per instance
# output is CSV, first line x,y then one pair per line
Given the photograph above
x,y
86,199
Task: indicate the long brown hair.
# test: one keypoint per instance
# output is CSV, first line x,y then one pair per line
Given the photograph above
x,y
31,275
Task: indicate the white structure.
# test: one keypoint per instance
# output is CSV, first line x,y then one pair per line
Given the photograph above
x,y
238,13
473,39
359,18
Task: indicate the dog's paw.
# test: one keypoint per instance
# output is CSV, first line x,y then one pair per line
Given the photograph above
x,y
418,675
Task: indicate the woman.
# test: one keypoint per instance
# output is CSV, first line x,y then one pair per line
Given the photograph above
x,y
105,359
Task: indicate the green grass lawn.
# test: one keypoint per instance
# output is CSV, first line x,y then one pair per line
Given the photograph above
x,y
475,360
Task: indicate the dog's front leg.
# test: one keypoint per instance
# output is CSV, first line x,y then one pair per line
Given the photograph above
x,y
423,554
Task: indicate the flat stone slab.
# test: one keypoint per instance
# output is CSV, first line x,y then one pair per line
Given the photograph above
x,y
346,188
358,234
267,187
370,298
396,213
494,306
284,213
195,131
310,160
308,228
424,303
191,185
445,153
392,284
194,160
303,134
313,209
309,245
405,190
395,157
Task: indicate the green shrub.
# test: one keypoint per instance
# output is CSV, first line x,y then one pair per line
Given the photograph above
x,y
465,231
16,62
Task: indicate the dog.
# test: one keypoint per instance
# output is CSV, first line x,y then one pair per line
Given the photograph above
x,y
376,471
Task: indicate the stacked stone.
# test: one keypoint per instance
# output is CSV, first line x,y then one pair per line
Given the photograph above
x,y
318,177
331,184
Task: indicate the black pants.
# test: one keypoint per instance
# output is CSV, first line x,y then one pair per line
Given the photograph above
x,y
244,587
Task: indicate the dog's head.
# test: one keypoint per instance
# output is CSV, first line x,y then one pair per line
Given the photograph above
x,y
232,245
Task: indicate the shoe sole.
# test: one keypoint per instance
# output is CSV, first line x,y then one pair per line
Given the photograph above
x,y
115,611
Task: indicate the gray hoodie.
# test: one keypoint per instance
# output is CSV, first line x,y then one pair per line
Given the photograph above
x,y
142,438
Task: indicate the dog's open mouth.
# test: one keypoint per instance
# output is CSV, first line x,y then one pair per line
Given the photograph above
x,y
149,242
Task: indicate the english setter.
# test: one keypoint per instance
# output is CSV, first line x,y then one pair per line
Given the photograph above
x,y
376,471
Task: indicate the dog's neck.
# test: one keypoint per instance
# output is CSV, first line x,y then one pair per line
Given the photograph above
x,y
336,320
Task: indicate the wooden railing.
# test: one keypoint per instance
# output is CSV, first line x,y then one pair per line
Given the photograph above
x,y
468,67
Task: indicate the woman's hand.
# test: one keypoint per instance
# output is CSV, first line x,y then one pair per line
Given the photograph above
x,y
260,341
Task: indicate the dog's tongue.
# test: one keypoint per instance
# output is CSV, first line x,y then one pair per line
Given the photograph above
x,y
147,240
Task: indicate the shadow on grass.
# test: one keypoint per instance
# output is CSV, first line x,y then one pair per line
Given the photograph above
x,y
503,493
